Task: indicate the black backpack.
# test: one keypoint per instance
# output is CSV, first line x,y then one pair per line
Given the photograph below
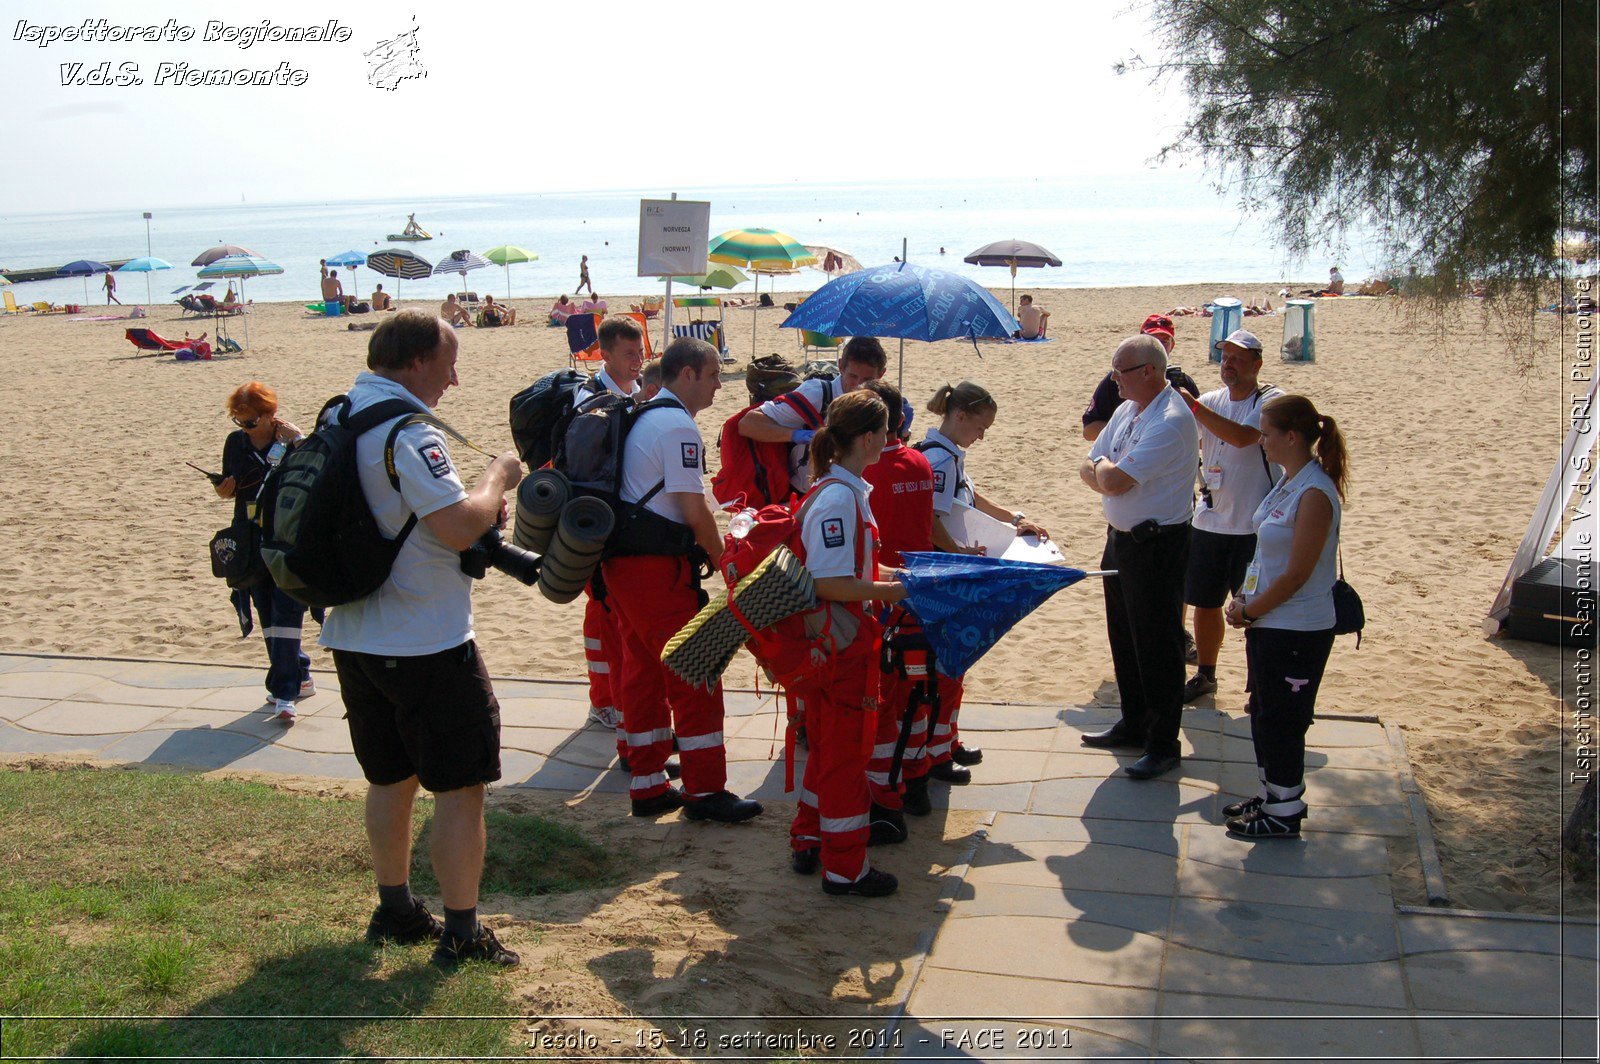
x,y
320,541
540,414
589,453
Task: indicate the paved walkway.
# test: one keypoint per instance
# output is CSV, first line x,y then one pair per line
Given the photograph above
x,y
1099,916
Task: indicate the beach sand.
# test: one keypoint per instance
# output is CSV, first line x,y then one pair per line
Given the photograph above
x,y
1450,449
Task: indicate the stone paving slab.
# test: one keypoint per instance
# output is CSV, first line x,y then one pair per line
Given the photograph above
x,y
1291,934
1076,865
1219,1027
1037,948
1148,914
1374,984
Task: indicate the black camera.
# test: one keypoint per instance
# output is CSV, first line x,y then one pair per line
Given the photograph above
x,y
492,550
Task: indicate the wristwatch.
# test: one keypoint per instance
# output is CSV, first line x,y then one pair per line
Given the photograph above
x,y
1244,615
1017,518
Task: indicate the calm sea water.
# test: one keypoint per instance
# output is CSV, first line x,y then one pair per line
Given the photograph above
x,y
1151,228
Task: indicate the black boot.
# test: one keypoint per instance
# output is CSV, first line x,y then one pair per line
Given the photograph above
x,y
887,826
915,800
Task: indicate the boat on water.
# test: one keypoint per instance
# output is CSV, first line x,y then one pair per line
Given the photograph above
x,y
412,231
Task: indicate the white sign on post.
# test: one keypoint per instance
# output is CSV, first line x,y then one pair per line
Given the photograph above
x,y
673,236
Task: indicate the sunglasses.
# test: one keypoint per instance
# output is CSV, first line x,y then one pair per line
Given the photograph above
x,y
252,423
1128,369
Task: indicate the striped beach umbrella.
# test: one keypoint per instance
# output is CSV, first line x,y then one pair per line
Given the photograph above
x,y
221,251
241,268
460,262
400,264
505,255
716,277
760,251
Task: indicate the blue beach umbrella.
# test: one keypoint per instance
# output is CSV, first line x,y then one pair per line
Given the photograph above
x,y
349,260
145,264
966,602
85,268
904,301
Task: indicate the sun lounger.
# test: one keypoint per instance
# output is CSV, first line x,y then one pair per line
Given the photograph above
x,y
213,307
48,308
11,304
147,340
583,338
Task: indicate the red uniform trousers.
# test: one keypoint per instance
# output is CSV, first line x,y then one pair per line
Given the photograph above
x,y
840,723
652,597
602,645
946,734
893,700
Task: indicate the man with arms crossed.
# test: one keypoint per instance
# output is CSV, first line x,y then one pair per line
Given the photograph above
x,y
1142,466
1234,477
416,691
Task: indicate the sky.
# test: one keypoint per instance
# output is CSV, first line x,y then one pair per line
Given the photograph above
x,y
544,97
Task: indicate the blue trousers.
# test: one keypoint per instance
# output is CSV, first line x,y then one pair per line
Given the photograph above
x,y
281,617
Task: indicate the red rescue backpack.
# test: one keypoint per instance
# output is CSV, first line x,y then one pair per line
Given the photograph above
x,y
757,474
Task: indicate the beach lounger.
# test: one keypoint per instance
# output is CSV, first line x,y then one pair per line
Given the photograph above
x,y
11,305
44,307
651,306
644,327
709,331
822,344
583,339
213,307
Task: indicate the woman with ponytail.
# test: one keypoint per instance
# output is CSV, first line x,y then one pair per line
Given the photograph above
x,y
967,411
838,540
1286,608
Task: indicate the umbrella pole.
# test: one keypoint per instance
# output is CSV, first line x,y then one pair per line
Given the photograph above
x,y
753,308
901,385
508,280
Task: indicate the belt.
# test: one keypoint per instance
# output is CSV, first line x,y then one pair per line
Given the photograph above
x,y
1161,530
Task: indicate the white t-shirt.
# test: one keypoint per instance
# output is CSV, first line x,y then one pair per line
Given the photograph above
x,y
828,529
604,381
425,605
1311,608
819,392
1237,478
949,464
665,448
1157,447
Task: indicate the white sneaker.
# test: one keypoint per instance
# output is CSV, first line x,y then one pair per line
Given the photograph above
x,y
283,712
605,716
308,689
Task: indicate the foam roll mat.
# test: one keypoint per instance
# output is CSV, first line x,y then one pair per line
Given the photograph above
x,y
575,549
540,499
775,590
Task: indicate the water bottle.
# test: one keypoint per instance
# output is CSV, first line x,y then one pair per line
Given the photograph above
x,y
741,523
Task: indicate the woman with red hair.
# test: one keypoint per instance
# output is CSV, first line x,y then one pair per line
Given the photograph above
x,y
262,438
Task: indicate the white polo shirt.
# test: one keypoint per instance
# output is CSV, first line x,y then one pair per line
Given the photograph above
x,y
828,529
664,446
1238,478
818,391
603,381
425,605
1156,446
1311,608
949,464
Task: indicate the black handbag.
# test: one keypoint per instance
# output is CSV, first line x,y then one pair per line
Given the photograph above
x,y
1349,616
236,554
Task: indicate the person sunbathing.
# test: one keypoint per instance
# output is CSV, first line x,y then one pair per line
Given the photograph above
x,y
593,305
495,314
563,309
1034,322
453,312
380,299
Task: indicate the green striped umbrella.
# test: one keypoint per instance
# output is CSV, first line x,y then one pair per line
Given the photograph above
x,y
716,277
761,251
505,255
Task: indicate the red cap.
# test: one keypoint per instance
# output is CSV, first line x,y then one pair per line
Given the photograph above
x,y
1157,325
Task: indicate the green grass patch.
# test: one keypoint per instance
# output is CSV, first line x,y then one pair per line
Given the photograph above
x,y
131,894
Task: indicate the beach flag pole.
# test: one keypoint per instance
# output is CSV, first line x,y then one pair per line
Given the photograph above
x,y
900,386
666,311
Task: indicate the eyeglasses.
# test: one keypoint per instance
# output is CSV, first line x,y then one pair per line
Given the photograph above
x,y
1124,371
252,423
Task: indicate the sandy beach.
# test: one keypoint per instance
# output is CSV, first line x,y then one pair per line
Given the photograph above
x,y
1450,448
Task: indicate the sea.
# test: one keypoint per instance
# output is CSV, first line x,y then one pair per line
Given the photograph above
x,y
1151,228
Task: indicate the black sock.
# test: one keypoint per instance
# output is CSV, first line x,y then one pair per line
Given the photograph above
x,y
396,899
460,924
1208,671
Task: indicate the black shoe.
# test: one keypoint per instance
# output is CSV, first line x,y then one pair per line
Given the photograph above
x,y
1258,824
966,755
1191,653
671,768
951,773
482,946
806,862
724,806
1149,766
1198,686
886,826
1113,737
665,802
875,884
915,800
419,925
1249,805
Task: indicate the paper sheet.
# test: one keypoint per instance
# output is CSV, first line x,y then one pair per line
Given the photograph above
x,y
972,527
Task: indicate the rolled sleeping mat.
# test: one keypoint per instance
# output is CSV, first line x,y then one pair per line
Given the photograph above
x,y
581,533
775,590
540,498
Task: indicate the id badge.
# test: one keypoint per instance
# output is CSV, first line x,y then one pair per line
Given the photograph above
x,y
1252,577
1212,475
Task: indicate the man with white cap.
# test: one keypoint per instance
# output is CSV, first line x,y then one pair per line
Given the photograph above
x,y
1234,477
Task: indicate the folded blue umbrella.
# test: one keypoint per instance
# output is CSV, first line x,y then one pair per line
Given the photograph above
x,y
905,301
966,602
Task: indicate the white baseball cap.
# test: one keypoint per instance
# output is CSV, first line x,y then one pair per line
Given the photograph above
x,y
1246,340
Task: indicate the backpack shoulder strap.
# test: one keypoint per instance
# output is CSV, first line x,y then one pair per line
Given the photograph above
x,y
809,415
925,446
413,416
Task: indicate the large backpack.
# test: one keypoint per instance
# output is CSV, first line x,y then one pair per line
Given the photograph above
x,y
757,474
589,453
540,414
320,541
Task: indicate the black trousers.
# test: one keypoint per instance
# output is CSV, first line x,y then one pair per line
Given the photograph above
x,y
1144,620
1285,672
